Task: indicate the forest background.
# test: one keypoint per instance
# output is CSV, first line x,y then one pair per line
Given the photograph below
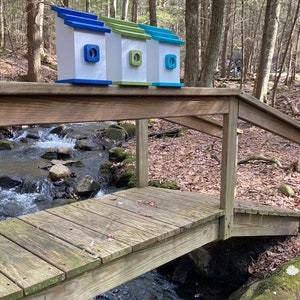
x,y
249,44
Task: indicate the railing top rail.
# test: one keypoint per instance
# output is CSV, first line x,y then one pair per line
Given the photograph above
x,y
129,103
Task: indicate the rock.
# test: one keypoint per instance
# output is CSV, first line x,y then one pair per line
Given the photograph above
x,y
50,154
58,153
284,283
227,261
59,129
130,129
6,145
117,154
107,171
87,186
58,172
85,144
287,190
116,132
64,152
8,182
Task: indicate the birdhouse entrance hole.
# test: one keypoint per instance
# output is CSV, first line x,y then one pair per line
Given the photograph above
x,y
91,53
135,58
171,61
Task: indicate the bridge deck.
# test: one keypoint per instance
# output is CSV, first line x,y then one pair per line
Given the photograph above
x,y
100,243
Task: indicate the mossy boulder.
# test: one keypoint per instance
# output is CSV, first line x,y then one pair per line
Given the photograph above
x,y
284,283
130,129
287,190
6,145
116,133
118,154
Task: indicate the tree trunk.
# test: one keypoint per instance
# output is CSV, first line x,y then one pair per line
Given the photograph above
x,y
191,72
152,12
66,3
134,8
124,15
34,40
276,82
225,38
88,6
2,32
267,49
212,49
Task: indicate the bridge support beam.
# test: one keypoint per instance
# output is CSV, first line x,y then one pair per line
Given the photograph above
x,y
229,166
142,153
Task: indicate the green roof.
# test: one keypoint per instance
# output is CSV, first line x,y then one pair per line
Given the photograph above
x,y
125,28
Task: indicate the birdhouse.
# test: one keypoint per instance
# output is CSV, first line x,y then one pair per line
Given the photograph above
x,y
81,47
163,56
126,53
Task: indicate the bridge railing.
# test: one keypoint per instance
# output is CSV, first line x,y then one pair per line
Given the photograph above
x,y
37,103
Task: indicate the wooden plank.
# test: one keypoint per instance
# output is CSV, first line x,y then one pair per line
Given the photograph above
x,y
142,153
60,254
271,120
148,210
257,208
25,269
128,267
171,203
262,225
16,110
228,168
8,289
111,227
99,245
159,229
186,198
36,89
202,124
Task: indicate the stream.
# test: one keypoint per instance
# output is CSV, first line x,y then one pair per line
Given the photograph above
x,y
24,163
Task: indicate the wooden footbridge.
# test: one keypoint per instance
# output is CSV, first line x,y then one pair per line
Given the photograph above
x,y
83,249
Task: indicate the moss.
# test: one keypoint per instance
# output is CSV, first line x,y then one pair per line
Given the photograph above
x,y
284,283
126,178
130,128
6,144
164,184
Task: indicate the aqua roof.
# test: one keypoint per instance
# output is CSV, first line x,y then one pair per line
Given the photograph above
x,y
162,34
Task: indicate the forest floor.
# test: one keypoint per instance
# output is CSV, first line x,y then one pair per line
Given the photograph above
x,y
192,159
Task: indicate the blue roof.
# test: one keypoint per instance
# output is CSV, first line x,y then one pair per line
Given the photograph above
x,y
80,20
162,34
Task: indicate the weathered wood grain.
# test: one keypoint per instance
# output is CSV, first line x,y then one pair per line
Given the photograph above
x,y
28,271
111,227
95,243
58,253
130,266
18,110
8,289
228,168
142,153
159,229
264,225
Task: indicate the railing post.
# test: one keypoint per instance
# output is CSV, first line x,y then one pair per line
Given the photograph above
x,y
142,153
229,168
